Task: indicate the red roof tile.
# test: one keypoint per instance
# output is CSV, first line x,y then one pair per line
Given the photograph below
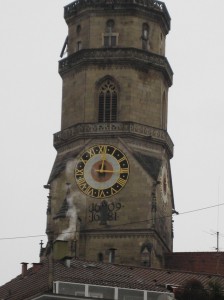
x,y
142,278
206,262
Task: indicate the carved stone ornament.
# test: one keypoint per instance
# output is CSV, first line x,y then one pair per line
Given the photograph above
x,y
128,57
157,7
119,129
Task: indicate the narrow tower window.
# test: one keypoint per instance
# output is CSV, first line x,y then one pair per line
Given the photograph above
x,y
146,254
79,45
79,42
100,257
110,38
78,29
145,36
112,255
164,111
107,102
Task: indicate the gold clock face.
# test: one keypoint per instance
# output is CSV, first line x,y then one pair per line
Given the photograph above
x,y
102,171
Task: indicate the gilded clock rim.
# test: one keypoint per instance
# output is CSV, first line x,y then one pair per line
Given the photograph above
x,y
89,166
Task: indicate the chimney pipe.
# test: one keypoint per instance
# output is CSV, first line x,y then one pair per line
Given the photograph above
x,y
24,268
67,260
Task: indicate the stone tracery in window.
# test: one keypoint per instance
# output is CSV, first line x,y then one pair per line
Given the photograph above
x,y
107,102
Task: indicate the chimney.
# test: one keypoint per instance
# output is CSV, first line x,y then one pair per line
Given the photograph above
x,y
24,269
36,267
60,249
67,261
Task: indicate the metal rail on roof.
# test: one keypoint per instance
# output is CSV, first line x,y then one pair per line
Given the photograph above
x,y
108,292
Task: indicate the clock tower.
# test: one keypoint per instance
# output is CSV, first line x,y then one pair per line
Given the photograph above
x,y
110,188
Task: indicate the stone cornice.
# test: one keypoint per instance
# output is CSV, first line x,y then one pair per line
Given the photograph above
x,y
154,7
113,233
125,57
116,129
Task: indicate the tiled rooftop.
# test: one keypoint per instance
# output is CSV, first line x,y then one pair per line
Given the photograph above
x,y
210,262
38,279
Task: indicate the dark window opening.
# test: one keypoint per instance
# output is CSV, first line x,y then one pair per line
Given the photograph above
x,y
79,45
164,112
112,255
78,29
110,39
101,107
100,257
113,41
107,102
145,36
146,254
110,25
106,41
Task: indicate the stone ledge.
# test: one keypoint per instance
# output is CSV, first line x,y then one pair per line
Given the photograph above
x,y
128,57
116,129
154,6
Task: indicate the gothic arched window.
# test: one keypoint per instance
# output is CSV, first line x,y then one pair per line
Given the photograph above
x,y
107,102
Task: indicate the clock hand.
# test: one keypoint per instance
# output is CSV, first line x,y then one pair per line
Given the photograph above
x,y
103,158
109,171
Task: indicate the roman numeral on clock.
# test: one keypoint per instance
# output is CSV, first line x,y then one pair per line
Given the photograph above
x,y
124,170
81,181
103,149
113,191
121,159
121,181
79,172
91,152
89,191
101,194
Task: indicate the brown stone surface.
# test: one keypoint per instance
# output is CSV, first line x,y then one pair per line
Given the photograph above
x,y
127,24
138,218
140,96
134,223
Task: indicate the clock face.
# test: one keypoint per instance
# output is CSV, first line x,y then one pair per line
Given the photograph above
x,y
102,171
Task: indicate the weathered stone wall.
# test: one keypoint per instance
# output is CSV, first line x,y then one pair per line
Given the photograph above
x,y
90,28
132,221
139,99
137,220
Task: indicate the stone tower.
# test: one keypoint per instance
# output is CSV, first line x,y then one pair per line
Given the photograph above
x,y
110,187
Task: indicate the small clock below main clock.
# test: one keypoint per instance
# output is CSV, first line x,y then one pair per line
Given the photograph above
x,y
102,171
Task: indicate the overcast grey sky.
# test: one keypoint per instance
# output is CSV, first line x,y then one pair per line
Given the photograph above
x,y
32,35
